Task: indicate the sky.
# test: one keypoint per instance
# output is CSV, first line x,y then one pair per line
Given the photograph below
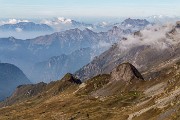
x,y
87,8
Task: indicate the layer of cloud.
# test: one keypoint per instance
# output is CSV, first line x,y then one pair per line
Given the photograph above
x,y
12,21
155,36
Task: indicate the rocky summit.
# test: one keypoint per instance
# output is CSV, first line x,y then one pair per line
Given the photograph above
x,y
125,72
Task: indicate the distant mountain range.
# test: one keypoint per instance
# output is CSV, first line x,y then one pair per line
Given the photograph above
x,y
162,19
26,53
145,49
57,66
61,24
135,23
25,27
133,72
10,77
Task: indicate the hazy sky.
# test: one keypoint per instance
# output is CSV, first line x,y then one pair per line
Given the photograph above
x,y
92,8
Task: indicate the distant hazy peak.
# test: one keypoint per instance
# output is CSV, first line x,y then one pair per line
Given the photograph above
x,y
135,22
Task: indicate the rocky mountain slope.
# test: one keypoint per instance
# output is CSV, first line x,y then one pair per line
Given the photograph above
x,y
10,77
24,92
122,94
155,44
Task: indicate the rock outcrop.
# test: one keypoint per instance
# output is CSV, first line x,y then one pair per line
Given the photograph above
x,y
125,72
70,78
124,77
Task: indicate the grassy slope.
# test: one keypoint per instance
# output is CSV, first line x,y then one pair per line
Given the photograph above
x,y
155,99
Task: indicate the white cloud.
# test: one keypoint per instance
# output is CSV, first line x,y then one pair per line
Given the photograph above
x,y
61,24
57,21
12,21
154,36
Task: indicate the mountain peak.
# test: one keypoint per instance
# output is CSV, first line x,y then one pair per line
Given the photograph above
x,y
125,72
63,19
88,30
11,38
74,30
135,22
70,78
